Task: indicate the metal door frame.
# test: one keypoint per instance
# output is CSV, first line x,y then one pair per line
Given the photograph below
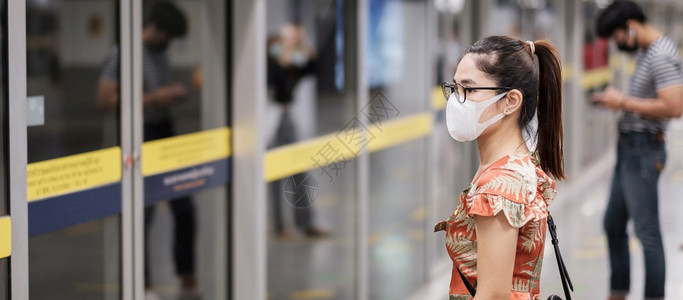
x,y
248,224
130,20
130,258
132,140
19,265
16,52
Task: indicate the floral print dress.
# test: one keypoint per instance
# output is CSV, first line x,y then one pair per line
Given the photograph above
x,y
517,187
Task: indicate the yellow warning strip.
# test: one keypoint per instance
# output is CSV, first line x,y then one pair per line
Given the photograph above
x,y
438,101
400,131
567,72
312,294
344,145
295,158
73,173
186,150
5,236
631,67
596,78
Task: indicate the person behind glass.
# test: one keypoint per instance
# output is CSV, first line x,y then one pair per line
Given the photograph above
x,y
290,58
496,236
164,22
654,96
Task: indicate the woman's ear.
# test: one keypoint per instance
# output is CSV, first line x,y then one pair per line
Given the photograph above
x,y
513,101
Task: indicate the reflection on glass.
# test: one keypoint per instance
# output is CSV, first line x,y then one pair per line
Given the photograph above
x,y
397,52
208,276
79,262
451,179
4,279
164,24
396,42
311,93
450,47
504,19
290,59
183,54
303,264
396,253
543,27
307,76
4,205
66,44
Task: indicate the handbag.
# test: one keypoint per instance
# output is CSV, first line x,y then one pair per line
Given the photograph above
x,y
564,274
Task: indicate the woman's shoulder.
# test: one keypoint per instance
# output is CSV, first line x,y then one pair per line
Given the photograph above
x,y
513,177
517,178
515,185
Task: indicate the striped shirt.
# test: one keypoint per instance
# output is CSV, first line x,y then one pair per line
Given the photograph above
x,y
156,73
658,67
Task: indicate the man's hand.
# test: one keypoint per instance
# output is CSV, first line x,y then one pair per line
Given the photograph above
x,y
610,98
107,94
169,94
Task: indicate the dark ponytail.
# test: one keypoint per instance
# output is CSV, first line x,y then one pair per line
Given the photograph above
x,y
509,61
550,133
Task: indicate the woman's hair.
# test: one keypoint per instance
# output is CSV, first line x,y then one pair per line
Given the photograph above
x,y
509,62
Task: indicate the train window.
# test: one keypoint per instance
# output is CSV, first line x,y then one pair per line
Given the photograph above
x,y
309,70
4,279
311,93
397,55
67,42
504,18
186,146
452,31
4,199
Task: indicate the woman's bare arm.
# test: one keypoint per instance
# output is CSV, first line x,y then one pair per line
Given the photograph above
x,y
496,248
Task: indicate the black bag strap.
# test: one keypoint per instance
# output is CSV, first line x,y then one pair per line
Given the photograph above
x,y
468,285
564,274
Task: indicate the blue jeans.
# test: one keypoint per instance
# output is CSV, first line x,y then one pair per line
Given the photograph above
x,y
640,159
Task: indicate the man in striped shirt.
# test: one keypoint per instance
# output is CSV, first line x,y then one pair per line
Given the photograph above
x,y
655,96
164,22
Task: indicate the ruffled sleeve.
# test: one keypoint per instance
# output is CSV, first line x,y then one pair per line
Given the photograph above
x,y
489,205
516,188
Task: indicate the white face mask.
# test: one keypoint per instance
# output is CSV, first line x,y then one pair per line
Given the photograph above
x,y
299,58
462,119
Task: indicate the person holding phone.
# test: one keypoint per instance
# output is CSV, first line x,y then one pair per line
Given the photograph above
x,y
164,23
655,95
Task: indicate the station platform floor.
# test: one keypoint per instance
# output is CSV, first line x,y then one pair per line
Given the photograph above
x,y
578,213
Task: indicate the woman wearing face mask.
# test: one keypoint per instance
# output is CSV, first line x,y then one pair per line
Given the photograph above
x,y
496,235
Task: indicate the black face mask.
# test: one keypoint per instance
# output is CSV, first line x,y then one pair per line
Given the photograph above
x,y
158,46
626,48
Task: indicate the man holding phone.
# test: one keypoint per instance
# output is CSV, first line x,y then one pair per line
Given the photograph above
x,y
655,95
164,23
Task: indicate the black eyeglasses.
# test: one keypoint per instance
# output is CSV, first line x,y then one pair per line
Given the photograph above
x,y
449,88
